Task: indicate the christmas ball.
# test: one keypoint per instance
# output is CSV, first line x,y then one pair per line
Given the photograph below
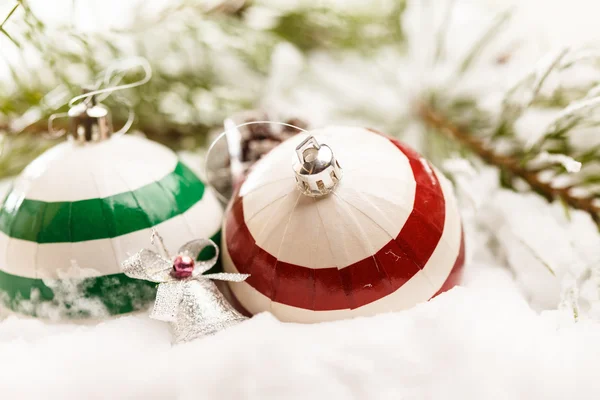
x,y
342,222
80,209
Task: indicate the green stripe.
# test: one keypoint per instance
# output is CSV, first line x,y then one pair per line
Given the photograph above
x,y
117,292
91,219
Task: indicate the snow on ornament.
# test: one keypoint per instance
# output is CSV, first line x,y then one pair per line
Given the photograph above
x,y
341,222
86,204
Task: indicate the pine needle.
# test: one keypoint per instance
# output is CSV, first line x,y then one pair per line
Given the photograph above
x,y
483,41
2,25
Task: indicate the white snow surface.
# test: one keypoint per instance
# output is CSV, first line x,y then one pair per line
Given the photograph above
x,y
480,342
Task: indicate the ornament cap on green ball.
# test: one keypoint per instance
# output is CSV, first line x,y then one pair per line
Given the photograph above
x,y
89,121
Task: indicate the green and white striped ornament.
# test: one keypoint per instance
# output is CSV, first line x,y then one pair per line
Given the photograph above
x,y
80,209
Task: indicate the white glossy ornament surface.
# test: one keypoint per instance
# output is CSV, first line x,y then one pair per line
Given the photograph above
x,y
72,171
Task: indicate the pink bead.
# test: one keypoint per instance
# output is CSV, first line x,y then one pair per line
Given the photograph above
x,y
183,266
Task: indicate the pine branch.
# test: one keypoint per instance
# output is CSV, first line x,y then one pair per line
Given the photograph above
x,y
511,165
553,165
190,91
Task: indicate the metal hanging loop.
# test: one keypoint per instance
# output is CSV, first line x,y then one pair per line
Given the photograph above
x,y
89,120
117,70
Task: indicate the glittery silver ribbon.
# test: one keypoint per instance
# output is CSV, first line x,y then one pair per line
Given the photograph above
x,y
194,305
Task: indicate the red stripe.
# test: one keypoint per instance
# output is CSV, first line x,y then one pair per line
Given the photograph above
x,y
422,231
396,263
456,274
356,285
330,293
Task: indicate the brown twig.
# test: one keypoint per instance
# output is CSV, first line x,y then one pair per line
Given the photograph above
x,y
435,119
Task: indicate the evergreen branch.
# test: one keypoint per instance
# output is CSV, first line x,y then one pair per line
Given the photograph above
x,y
551,165
507,163
190,91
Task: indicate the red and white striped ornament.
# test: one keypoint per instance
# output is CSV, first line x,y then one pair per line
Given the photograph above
x,y
375,228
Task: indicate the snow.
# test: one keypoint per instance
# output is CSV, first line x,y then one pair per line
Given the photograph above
x,y
470,343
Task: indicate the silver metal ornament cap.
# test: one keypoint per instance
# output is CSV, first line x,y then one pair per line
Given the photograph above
x,y
317,171
89,121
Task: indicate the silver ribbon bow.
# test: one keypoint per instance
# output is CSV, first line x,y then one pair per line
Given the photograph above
x,y
194,305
